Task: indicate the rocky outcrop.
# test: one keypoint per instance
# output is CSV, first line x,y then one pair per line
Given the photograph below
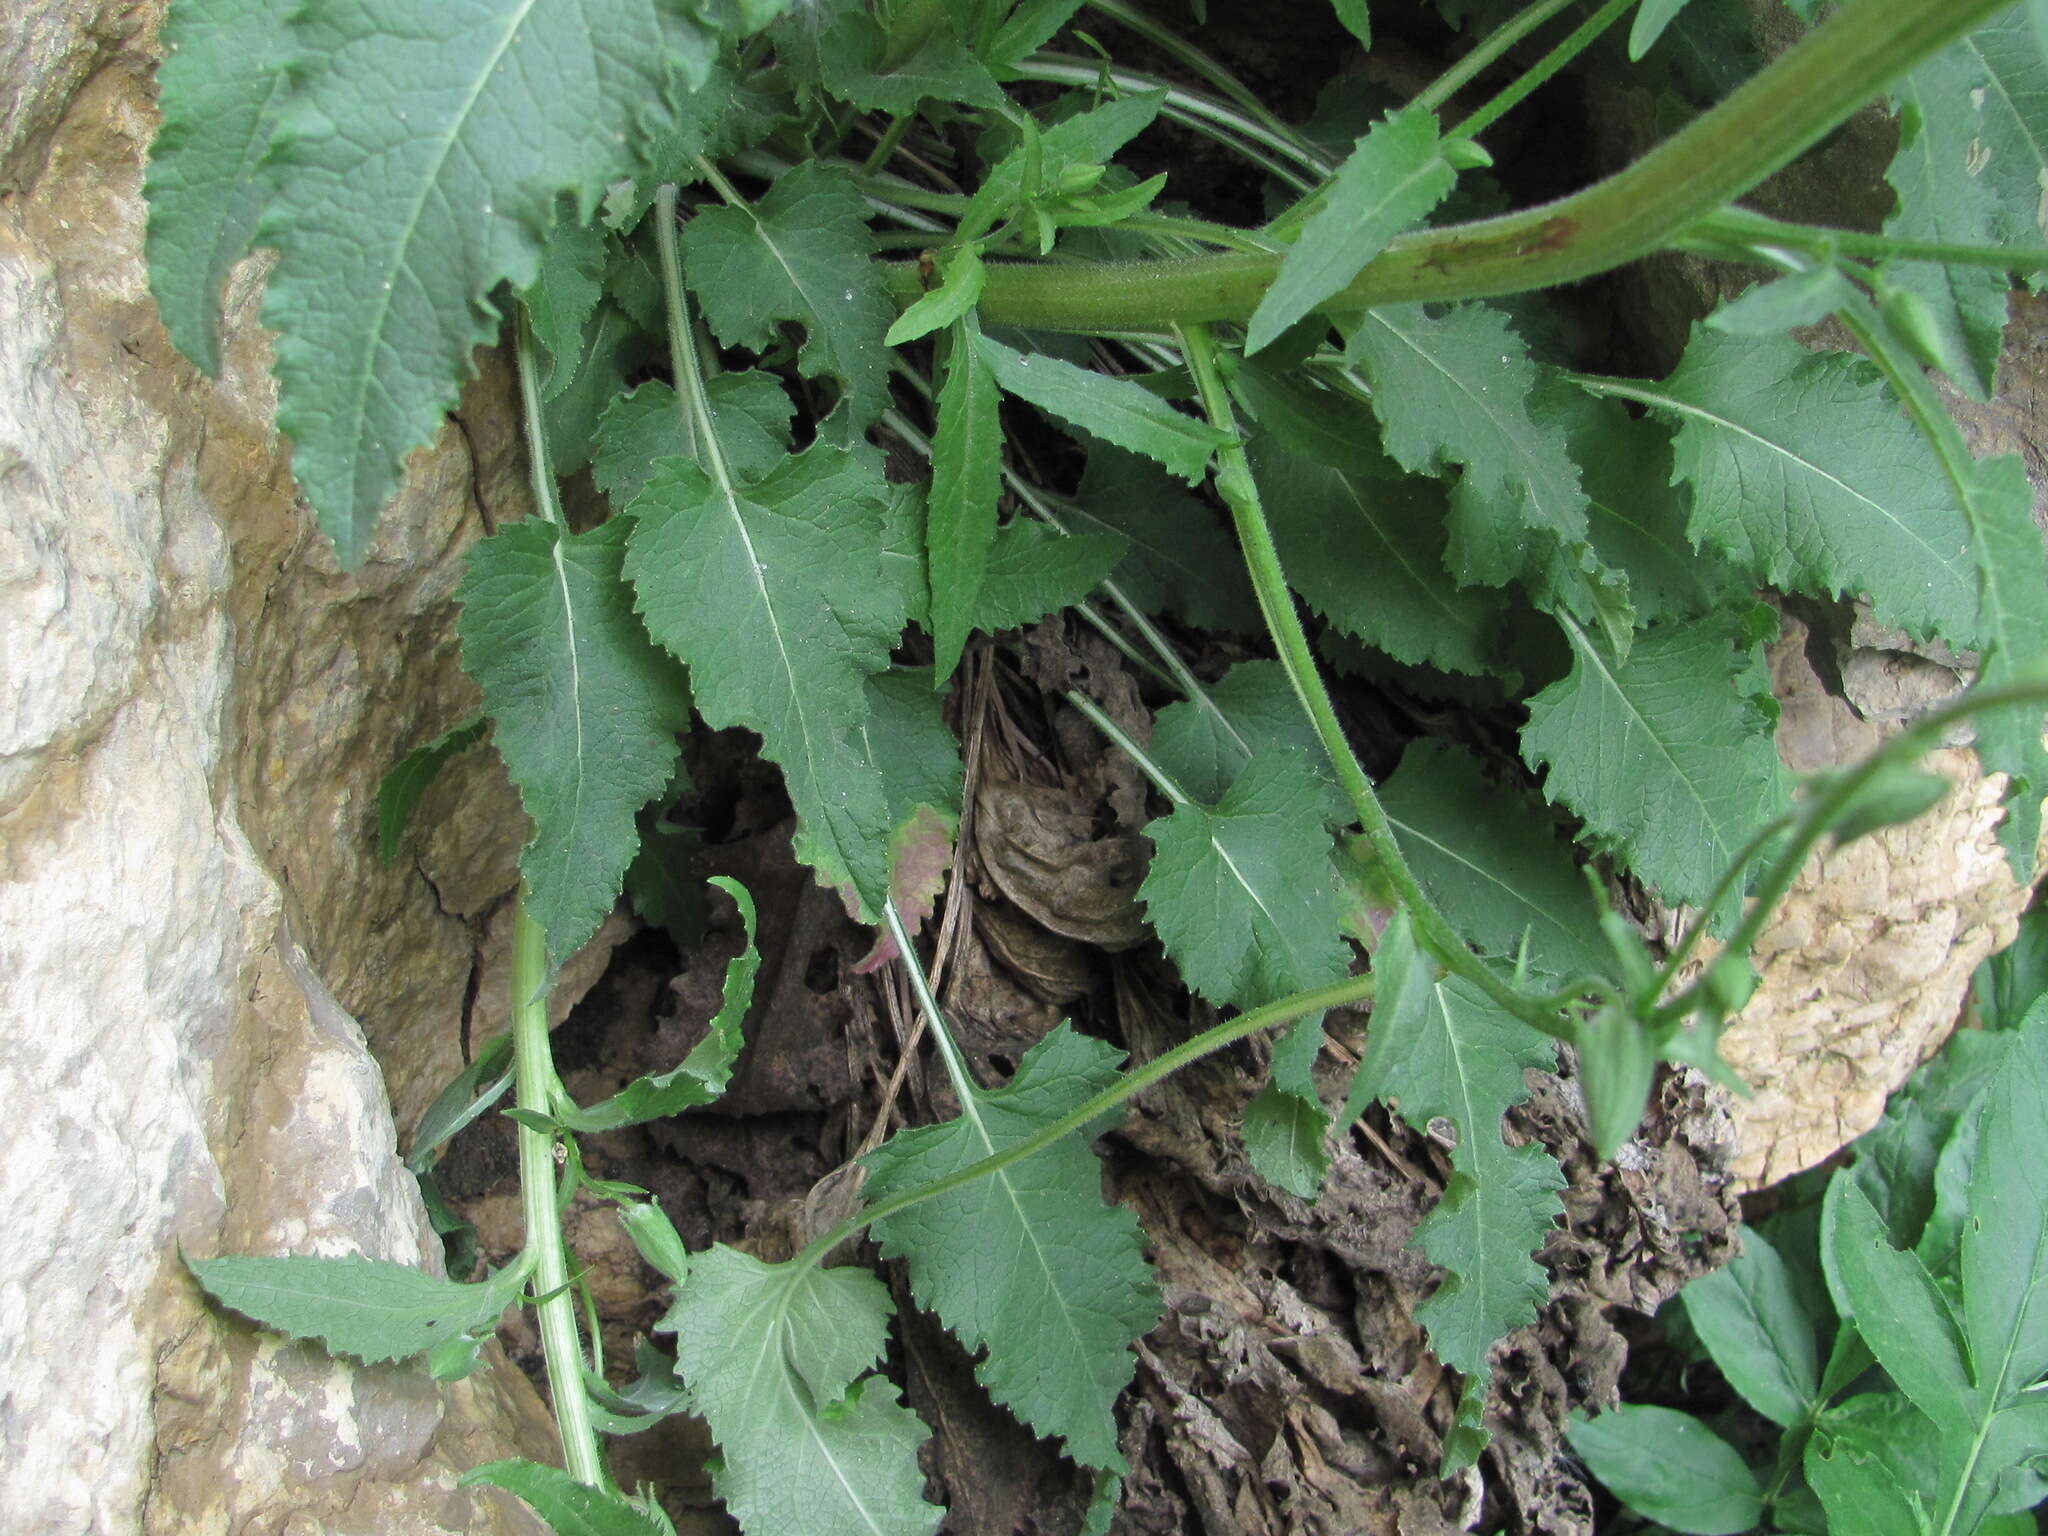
x,y
202,964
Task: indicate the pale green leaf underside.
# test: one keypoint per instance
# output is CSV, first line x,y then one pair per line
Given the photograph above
x,y
776,1359
1668,757
1028,1263
416,168
587,710
370,1309
221,83
783,597
1806,475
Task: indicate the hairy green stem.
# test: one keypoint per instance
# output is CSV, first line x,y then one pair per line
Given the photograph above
x,y
1240,492
1337,995
534,1085
1489,48
675,305
1720,155
540,473
1533,78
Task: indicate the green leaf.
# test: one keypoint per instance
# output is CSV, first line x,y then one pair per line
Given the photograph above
x,y
1285,1124
1086,138
1244,896
707,1069
1896,793
967,466
1205,742
783,596
586,710
587,380
906,738
1897,1309
1440,1049
750,416
1759,1332
1805,475
1459,389
417,166
1804,298
1034,570
564,294
779,1360
662,881
1029,28
1352,14
221,86
1181,561
1896,1160
1868,1463
398,794
961,276
2005,1239
1028,1263
1652,17
1486,855
1973,146
1115,410
369,1309
801,253
569,1507
1669,1467
2014,578
1394,176
1368,554
1617,1067
1667,757
853,63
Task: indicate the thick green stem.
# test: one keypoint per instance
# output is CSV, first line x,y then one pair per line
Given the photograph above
x,y
1240,492
533,1079
1337,995
1810,88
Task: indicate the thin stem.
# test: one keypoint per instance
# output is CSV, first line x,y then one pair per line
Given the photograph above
x,y
964,1086
676,305
1489,48
1285,1011
1120,738
1538,73
542,474
887,144
1740,228
1716,158
1186,53
1240,492
533,1074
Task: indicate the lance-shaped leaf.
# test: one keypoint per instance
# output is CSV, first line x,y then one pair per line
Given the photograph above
x,y
967,465
1439,1048
417,166
370,1309
703,1074
1459,388
1028,1263
1668,757
1806,476
1487,857
1391,180
1115,410
801,253
1244,896
221,84
587,710
779,1360
783,596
